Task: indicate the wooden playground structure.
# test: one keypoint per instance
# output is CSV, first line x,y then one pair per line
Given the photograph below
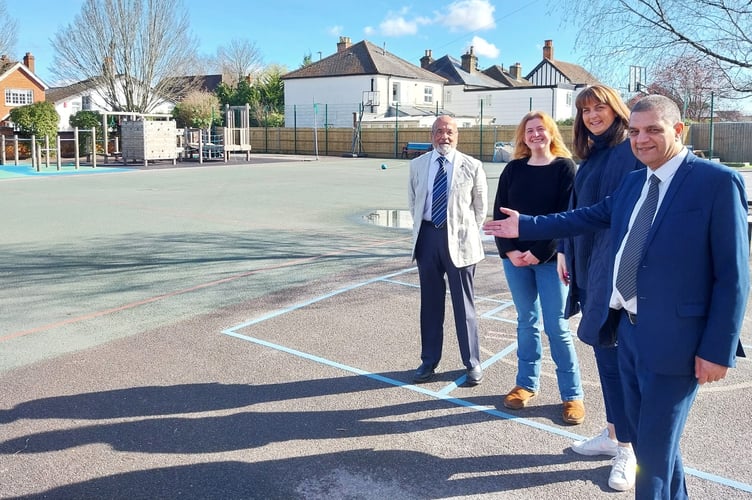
x,y
221,142
143,138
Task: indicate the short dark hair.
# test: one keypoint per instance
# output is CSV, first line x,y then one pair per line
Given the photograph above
x,y
665,107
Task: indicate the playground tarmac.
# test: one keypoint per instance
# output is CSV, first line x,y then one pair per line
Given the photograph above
x,y
250,330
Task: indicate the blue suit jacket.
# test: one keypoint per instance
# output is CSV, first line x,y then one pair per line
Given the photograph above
x,y
693,280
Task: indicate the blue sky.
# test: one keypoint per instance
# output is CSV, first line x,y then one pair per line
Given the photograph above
x,y
501,31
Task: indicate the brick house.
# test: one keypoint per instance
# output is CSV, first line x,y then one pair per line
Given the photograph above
x,y
19,86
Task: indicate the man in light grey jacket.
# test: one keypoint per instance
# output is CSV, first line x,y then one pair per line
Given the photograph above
x,y
448,198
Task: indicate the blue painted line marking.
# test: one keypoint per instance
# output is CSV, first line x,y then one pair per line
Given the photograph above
x,y
718,479
397,383
301,305
403,283
485,364
442,394
491,314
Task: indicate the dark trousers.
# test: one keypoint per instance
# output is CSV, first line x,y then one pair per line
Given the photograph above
x,y
657,407
434,263
607,361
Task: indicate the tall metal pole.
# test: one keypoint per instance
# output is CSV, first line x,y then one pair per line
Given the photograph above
x,y
710,149
315,130
480,155
326,126
396,130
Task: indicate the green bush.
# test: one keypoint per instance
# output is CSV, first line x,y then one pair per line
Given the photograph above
x,y
39,119
85,121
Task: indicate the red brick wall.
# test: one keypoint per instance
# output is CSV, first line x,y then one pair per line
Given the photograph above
x,y
21,81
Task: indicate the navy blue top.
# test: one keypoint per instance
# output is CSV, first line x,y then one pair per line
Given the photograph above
x,y
588,255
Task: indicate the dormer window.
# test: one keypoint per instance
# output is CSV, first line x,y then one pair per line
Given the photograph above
x,y
19,97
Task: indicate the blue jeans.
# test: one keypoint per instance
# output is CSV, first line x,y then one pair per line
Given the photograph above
x,y
536,288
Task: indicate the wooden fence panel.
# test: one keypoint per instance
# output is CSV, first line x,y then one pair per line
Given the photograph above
x,y
732,141
378,142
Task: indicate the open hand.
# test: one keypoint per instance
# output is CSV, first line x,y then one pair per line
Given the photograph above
x,y
504,228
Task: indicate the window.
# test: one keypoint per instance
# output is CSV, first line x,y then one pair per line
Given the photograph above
x,y
448,96
428,95
86,102
17,97
395,92
484,101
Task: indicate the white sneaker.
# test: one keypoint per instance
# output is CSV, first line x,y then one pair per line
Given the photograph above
x,y
623,469
598,445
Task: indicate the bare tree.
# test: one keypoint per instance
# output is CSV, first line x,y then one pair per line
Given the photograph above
x,y
8,31
238,59
690,83
646,31
129,50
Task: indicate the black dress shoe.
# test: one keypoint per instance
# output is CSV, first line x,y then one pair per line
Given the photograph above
x,y
425,372
474,376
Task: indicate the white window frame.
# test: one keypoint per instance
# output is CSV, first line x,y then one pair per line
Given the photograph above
x,y
19,97
428,95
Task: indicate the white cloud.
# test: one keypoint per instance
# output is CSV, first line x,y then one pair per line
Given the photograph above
x,y
483,48
335,30
399,23
468,15
396,25
369,30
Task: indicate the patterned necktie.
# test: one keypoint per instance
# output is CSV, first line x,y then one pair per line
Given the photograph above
x,y
626,279
439,201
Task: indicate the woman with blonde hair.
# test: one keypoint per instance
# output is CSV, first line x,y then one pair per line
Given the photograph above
x,y
600,141
538,181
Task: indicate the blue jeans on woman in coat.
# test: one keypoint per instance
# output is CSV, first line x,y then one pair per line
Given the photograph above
x,y
534,289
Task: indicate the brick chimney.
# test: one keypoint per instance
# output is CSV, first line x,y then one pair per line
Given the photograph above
x,y
343,44
469,61
548,50
426,60
28,61
515,71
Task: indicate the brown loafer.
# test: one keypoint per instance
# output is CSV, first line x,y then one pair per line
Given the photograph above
x,y
518,398
574,412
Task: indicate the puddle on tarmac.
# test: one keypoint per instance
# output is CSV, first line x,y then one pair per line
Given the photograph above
x,y
401,219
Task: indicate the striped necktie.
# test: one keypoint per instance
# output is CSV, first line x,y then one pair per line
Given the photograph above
x,y
626,278
439,201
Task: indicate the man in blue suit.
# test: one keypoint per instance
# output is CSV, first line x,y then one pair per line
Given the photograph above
x,y
680,328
